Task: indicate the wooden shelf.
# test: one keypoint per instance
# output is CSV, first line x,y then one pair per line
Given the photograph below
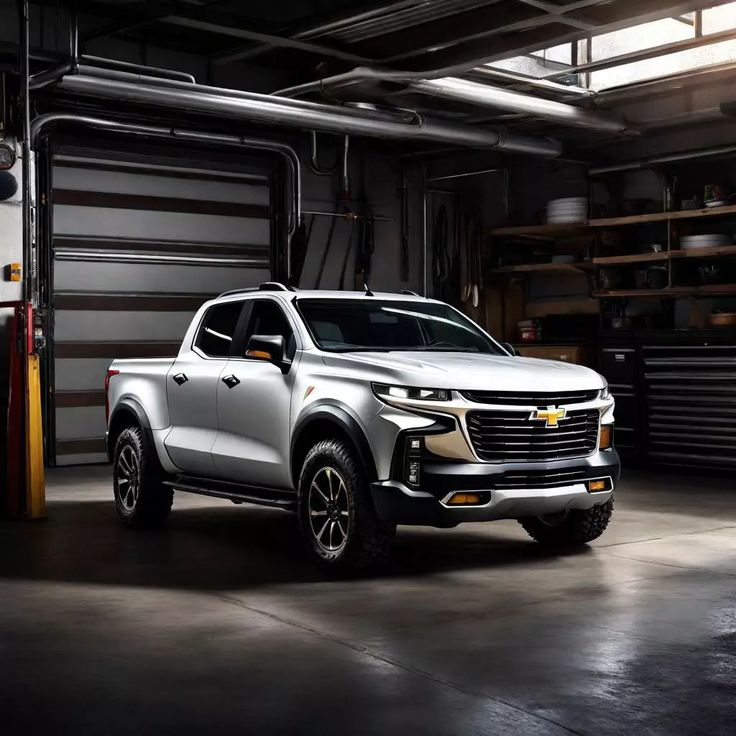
x,y
545,268
562,230
633,258
729,209
711,252
672,292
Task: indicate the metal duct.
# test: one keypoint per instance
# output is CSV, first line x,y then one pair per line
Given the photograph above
x,y
485,95
307,116
470,92
646,163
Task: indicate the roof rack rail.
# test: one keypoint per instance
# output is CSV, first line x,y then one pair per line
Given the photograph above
x,y
275,286
238,291
409,293
265,286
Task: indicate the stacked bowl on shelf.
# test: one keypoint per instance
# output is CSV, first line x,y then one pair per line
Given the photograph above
x,y
567,210
707,240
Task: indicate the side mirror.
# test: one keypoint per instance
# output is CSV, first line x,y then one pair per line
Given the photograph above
x,y
267,347
508,346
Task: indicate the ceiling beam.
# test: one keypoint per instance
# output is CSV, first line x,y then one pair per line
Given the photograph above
x,y
251,35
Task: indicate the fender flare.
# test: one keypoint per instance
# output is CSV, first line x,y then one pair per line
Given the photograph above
x,y
127,405
343,418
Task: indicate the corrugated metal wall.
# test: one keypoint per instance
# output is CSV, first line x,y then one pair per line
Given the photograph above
x,y
137,247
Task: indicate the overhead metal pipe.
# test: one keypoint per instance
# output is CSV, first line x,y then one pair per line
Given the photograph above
x,y
104,64
40,125
485,95
646,163
308,116
469,92
544,85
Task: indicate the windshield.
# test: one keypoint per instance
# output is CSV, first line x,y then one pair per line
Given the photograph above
x,y
345,325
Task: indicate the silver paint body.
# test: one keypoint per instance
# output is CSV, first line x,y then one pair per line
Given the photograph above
x,y
244,434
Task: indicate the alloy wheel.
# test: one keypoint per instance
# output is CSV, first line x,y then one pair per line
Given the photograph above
x,y
329,509
128,477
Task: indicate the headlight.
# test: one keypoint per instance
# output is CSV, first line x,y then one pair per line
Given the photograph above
x,y
406,392
605,393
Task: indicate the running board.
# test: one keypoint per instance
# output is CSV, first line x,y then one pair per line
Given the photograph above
x,y
274,497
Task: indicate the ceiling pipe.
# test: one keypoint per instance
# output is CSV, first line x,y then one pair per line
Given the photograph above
x,y
104,64
646,163
461,90
41,125
485,95
544,85
308,116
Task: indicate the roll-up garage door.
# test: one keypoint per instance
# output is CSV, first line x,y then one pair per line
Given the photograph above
x,y
137,248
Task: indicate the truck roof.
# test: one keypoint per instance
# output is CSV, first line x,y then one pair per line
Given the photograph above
x,y
325,294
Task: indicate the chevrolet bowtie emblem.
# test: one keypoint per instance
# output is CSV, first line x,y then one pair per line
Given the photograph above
x,y
551,415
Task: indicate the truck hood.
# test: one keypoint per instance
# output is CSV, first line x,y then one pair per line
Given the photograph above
x,y
467,371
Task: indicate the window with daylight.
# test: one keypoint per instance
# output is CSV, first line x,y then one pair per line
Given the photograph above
x,y
709,36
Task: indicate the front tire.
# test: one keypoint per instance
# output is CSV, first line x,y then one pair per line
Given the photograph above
x,y
337,520
141,499
569,528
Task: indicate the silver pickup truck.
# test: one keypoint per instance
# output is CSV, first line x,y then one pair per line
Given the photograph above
x,y
360,412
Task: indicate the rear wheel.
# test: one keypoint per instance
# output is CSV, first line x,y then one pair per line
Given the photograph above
x,y
337,520
569,527
141,498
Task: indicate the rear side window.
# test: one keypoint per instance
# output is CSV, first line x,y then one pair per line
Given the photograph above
x,y
216,334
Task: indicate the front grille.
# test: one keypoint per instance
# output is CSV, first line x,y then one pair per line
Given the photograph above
x,y
502,436
530,398
540,479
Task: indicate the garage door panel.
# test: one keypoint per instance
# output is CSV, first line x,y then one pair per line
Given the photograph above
x,y
73,325
72,220
154,278
80,422
80,374
136,252
121,182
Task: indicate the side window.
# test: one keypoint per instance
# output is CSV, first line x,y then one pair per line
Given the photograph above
x,y
217,330
268,318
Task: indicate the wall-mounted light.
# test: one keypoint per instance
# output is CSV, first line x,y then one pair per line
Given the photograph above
x,y
7,157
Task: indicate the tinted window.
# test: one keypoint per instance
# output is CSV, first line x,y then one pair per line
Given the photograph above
x,y
371,324
269,319
218,328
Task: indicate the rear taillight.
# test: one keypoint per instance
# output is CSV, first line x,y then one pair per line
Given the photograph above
x,y
110,374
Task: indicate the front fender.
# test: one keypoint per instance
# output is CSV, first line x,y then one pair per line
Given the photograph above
x,y
344,419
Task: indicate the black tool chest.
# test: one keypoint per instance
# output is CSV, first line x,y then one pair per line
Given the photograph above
x,y
675,395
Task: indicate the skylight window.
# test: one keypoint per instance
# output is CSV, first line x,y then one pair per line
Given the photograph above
x,y
569,63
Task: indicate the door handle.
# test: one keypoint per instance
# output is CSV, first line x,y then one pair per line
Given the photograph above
x,y
230,381
180,378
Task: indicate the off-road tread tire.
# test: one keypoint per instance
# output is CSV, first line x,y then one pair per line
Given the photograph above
x,y
154,498
370,540
579,527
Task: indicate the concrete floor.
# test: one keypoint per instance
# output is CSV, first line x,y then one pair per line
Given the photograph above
x,y
218,624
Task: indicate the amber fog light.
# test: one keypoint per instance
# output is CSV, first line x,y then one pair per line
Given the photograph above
x,y
606,440
596,486
468,499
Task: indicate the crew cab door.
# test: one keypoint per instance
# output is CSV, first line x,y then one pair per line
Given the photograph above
x,y
253,405
191,389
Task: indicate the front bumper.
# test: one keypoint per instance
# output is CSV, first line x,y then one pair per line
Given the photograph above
x,y
540,494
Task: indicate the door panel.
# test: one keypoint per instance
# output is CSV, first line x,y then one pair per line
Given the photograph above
x,y
252,444
193,411
192,386
253,438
